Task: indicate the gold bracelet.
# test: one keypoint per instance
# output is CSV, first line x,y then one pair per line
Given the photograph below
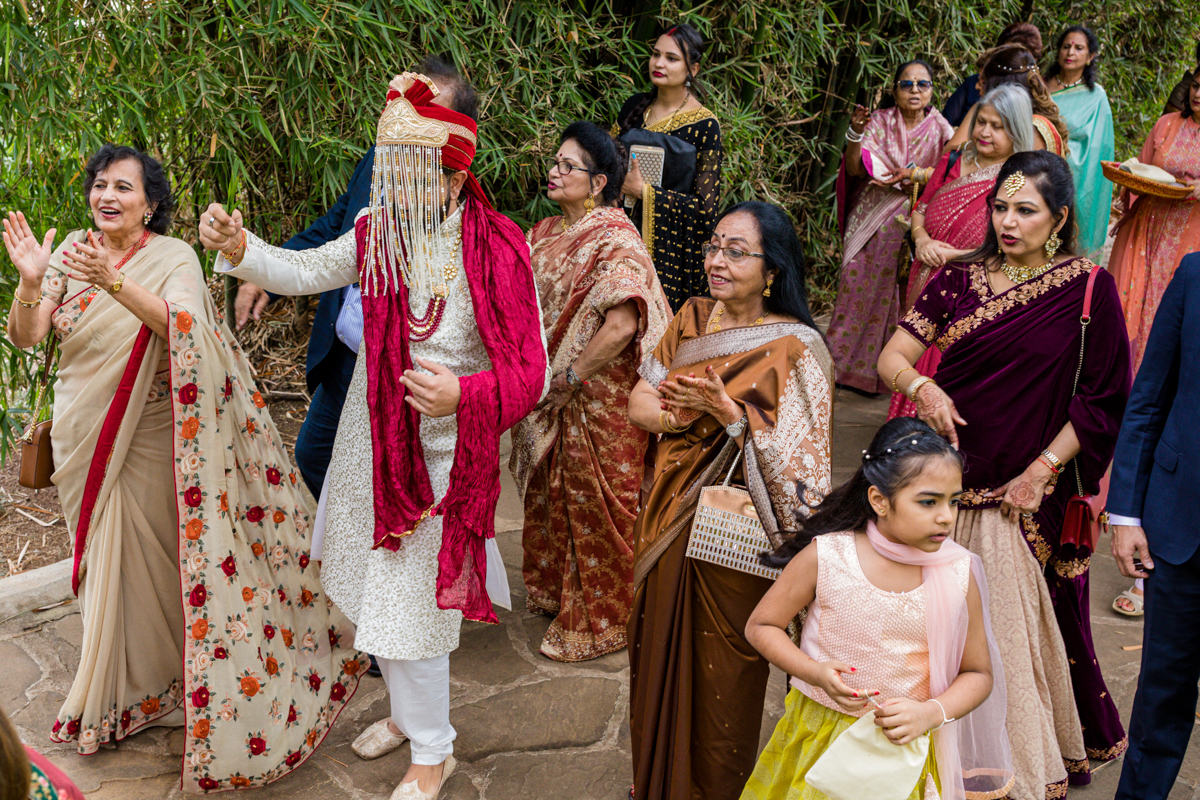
x,y
665,423
117,284
1055,462
23,304
916,385
897,376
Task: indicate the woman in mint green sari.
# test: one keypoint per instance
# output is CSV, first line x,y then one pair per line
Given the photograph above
x,y
1083,105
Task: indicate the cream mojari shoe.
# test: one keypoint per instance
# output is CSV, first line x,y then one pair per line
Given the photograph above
x,y
377,741
409,791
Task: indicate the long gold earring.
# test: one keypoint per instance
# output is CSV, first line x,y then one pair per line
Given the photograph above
x,y
767,291
589,205
1052,245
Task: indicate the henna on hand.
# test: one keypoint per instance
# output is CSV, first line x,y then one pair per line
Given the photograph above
x,y
928,400
1022,494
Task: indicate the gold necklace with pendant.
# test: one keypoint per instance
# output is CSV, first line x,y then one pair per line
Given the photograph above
x,y
715,325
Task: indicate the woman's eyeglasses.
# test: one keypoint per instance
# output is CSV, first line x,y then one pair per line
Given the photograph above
x,y
732,254
907,86
565,167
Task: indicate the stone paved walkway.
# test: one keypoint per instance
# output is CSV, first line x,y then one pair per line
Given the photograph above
x,y
527,727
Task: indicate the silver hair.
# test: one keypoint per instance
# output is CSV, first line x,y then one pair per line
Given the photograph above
x,y
1015,106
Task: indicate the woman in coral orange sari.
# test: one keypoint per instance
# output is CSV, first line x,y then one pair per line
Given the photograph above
x,y
577,458
175,484
1155,233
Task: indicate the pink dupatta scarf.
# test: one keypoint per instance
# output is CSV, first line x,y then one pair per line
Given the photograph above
x,y
973,754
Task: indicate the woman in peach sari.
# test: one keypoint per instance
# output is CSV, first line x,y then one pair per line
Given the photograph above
x,y
1155,233
201,606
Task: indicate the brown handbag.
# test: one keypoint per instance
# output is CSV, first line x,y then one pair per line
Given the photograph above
x,y
37,455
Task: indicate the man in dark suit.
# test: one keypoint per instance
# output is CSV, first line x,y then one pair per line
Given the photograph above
x,y
1152,510
337,326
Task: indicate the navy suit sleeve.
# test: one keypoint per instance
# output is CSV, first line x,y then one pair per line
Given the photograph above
x,y
1150,401
960,102
330,226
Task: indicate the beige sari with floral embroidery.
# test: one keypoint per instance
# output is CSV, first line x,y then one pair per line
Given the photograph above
x,y
200,604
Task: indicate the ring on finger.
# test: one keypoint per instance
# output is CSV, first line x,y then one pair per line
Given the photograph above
x,y
212,222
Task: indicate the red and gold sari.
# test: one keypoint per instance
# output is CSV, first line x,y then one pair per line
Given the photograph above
x,y
201,606
956,212
697,686
580,468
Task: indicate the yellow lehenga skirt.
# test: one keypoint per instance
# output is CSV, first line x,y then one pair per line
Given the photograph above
x,y
802,735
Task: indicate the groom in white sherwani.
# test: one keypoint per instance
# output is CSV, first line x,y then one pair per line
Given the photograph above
x,y
453,354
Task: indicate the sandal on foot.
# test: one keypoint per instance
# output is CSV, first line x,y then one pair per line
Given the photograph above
x,y
1137,601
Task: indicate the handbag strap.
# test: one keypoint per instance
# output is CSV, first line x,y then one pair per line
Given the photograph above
x,y
729,477
38,403
1085,319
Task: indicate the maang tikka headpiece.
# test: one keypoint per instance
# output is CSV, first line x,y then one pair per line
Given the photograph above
x,y
1013,183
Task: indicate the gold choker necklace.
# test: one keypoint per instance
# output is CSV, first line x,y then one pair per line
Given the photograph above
x,y
1022,274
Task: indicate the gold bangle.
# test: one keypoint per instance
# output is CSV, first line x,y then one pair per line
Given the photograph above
x,y
665,422
897,377
117,284
23,304
915,386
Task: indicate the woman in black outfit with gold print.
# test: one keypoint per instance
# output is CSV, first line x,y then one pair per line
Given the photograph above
x,y
676,224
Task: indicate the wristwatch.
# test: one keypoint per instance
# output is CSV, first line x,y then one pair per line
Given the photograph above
x,y
735,430
572,378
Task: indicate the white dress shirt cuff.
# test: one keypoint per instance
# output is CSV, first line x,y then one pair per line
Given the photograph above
x,y
1117,519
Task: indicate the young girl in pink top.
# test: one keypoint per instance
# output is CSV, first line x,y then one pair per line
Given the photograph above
x,y
896,625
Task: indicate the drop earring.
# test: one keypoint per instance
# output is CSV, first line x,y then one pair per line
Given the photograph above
x,y
1052,245
767,291
589,205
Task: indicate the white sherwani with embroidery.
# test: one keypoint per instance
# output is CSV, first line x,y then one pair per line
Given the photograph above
x,y
390,596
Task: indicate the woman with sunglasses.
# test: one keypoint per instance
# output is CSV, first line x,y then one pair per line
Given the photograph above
x,y
741,381
576,458
886,150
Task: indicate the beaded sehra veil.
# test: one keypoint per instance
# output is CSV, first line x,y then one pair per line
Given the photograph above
x,y
404,242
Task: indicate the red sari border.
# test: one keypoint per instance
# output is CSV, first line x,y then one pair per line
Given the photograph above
x,y
98,470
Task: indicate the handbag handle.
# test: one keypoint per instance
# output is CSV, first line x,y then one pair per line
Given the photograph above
x,y
1085,319
729,477
51,353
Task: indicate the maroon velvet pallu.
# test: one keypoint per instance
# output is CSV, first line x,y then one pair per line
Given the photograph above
x,y
1008,363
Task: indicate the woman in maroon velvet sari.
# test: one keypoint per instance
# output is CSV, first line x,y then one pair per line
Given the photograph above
x,y
951,218
1009,329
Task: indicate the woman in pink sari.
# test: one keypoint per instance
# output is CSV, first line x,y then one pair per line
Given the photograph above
x,y
885,151
201,605
951,218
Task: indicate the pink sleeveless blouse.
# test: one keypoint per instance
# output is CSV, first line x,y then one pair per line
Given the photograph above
x,y
880,633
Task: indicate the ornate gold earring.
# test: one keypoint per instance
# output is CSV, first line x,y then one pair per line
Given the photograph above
x,y
589,205
1052,245
147,216
767,291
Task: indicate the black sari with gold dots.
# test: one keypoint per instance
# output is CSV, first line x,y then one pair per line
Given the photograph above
x,y
675,225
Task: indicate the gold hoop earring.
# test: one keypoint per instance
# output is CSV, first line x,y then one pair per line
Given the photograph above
x,y
589,205
1052,245
147,216
767,291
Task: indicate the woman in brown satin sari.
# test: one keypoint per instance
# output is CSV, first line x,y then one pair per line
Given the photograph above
x,y
765,385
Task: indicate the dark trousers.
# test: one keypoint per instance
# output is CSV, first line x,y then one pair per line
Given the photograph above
x,y
314,444
1165,705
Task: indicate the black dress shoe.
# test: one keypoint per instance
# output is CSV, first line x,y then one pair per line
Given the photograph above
x,y
374,670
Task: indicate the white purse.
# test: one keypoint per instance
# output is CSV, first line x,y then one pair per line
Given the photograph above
x,y
862,762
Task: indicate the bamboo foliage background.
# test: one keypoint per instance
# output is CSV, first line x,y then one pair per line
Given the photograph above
x,y
268,104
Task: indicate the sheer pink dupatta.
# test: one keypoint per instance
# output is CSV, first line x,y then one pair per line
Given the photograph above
x,y
973,755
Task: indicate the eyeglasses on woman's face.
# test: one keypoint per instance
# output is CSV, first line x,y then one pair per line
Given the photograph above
x,y
733,255
918,86
565,168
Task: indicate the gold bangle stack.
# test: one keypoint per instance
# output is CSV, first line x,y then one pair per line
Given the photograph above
x,y
665,422
24,304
